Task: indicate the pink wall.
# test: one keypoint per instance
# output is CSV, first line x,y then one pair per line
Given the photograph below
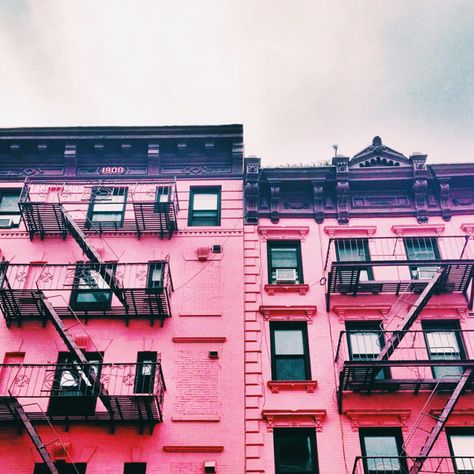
x,y
203,404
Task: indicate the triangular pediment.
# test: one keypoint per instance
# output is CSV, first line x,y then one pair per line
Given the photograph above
x,y
378,155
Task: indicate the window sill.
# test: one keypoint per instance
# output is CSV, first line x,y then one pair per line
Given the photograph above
x,y
302,289
277,386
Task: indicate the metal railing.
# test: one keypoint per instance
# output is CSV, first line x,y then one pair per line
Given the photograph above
x,y
403,464
67,379
396,250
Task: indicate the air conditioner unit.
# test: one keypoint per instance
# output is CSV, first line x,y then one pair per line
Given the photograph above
x,y
6,223
426,273
285,275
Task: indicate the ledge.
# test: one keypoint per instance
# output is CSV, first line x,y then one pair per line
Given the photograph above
x,y
468,228
193,449
361,311
277,386
199,339
288,313
383,417
350,231
438,311
293,418
458,417
302,289
418,229
197,418
283,232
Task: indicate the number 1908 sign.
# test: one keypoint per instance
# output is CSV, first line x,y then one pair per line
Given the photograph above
x,y
112,170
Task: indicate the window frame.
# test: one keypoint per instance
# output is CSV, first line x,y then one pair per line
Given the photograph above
x,y
195,190
90,211
290,326
131,468
365,246
4,192
75,291
367,327
279,439
444,326
437,255
271,244
150,283
450,431
143,358
397,434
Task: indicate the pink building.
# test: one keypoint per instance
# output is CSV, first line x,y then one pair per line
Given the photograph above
x,y
172,308
359,336
121,291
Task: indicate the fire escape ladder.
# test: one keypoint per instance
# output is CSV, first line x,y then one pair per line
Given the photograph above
x,y
92,254
76,351
464,381
33,434
396,338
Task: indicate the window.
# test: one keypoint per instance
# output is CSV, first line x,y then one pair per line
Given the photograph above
x,y
134,468
155,275
62,467
295,450
290,353
74,391
145,374
107,207
9,211
381,449
284,262
90,289
444,342
355,250
162,198
422,248
205,206
461,445
365,340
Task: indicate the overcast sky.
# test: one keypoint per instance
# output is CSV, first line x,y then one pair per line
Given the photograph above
x,y
300,75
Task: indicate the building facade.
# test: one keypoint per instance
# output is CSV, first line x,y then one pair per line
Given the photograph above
x,y
122,300
171,307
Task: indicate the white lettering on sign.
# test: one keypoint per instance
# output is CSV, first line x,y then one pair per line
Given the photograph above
x,y
112,170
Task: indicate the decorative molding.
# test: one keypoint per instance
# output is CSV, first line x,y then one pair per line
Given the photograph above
x,y
378,417
193,449
458,417
277,386
318,202
350,231
361,311
438,311
283,232
420,186
196,418
275,202
417,229
302,289
468,228
294,418
444,197
287,313
342,188
200,340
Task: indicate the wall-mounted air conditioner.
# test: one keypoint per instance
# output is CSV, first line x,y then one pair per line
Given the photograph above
x,y
285,275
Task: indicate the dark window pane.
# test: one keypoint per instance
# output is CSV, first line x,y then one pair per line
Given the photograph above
x,y
204,207
290,369
295,450
134,468
63,468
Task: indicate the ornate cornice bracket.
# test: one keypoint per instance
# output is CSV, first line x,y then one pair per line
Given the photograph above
x,y
342,188
251,190
318,202
378,417
444,196
275,202
420,186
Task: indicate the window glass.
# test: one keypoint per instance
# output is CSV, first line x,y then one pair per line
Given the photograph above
x,y
91,291
62,467
462,447
295,450
204,206
364,344
284,262
288,342
107,205
382,450
155,275
9,211
9,203
134,468
204,202
354,250
145,373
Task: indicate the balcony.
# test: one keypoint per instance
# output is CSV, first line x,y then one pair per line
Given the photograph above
x,y
396,265
117,393
403,464
86,290
97,207
422,360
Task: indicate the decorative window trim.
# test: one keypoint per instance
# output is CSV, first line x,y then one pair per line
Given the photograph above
x,y
378,418
204,340
458,417
276,386
193,449
350,231
416,230
294,419
301,288
445,311
468,228
361,312
288,313
283,232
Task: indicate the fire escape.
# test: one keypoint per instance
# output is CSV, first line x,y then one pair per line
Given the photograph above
x,y
122,401
421,274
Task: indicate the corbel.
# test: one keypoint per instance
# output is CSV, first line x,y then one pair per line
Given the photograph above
x,y
275,202
251,190
153,158
444,194
342,188
318,202
420,186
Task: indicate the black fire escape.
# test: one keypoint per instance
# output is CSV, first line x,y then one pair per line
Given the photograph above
x,y
424,266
